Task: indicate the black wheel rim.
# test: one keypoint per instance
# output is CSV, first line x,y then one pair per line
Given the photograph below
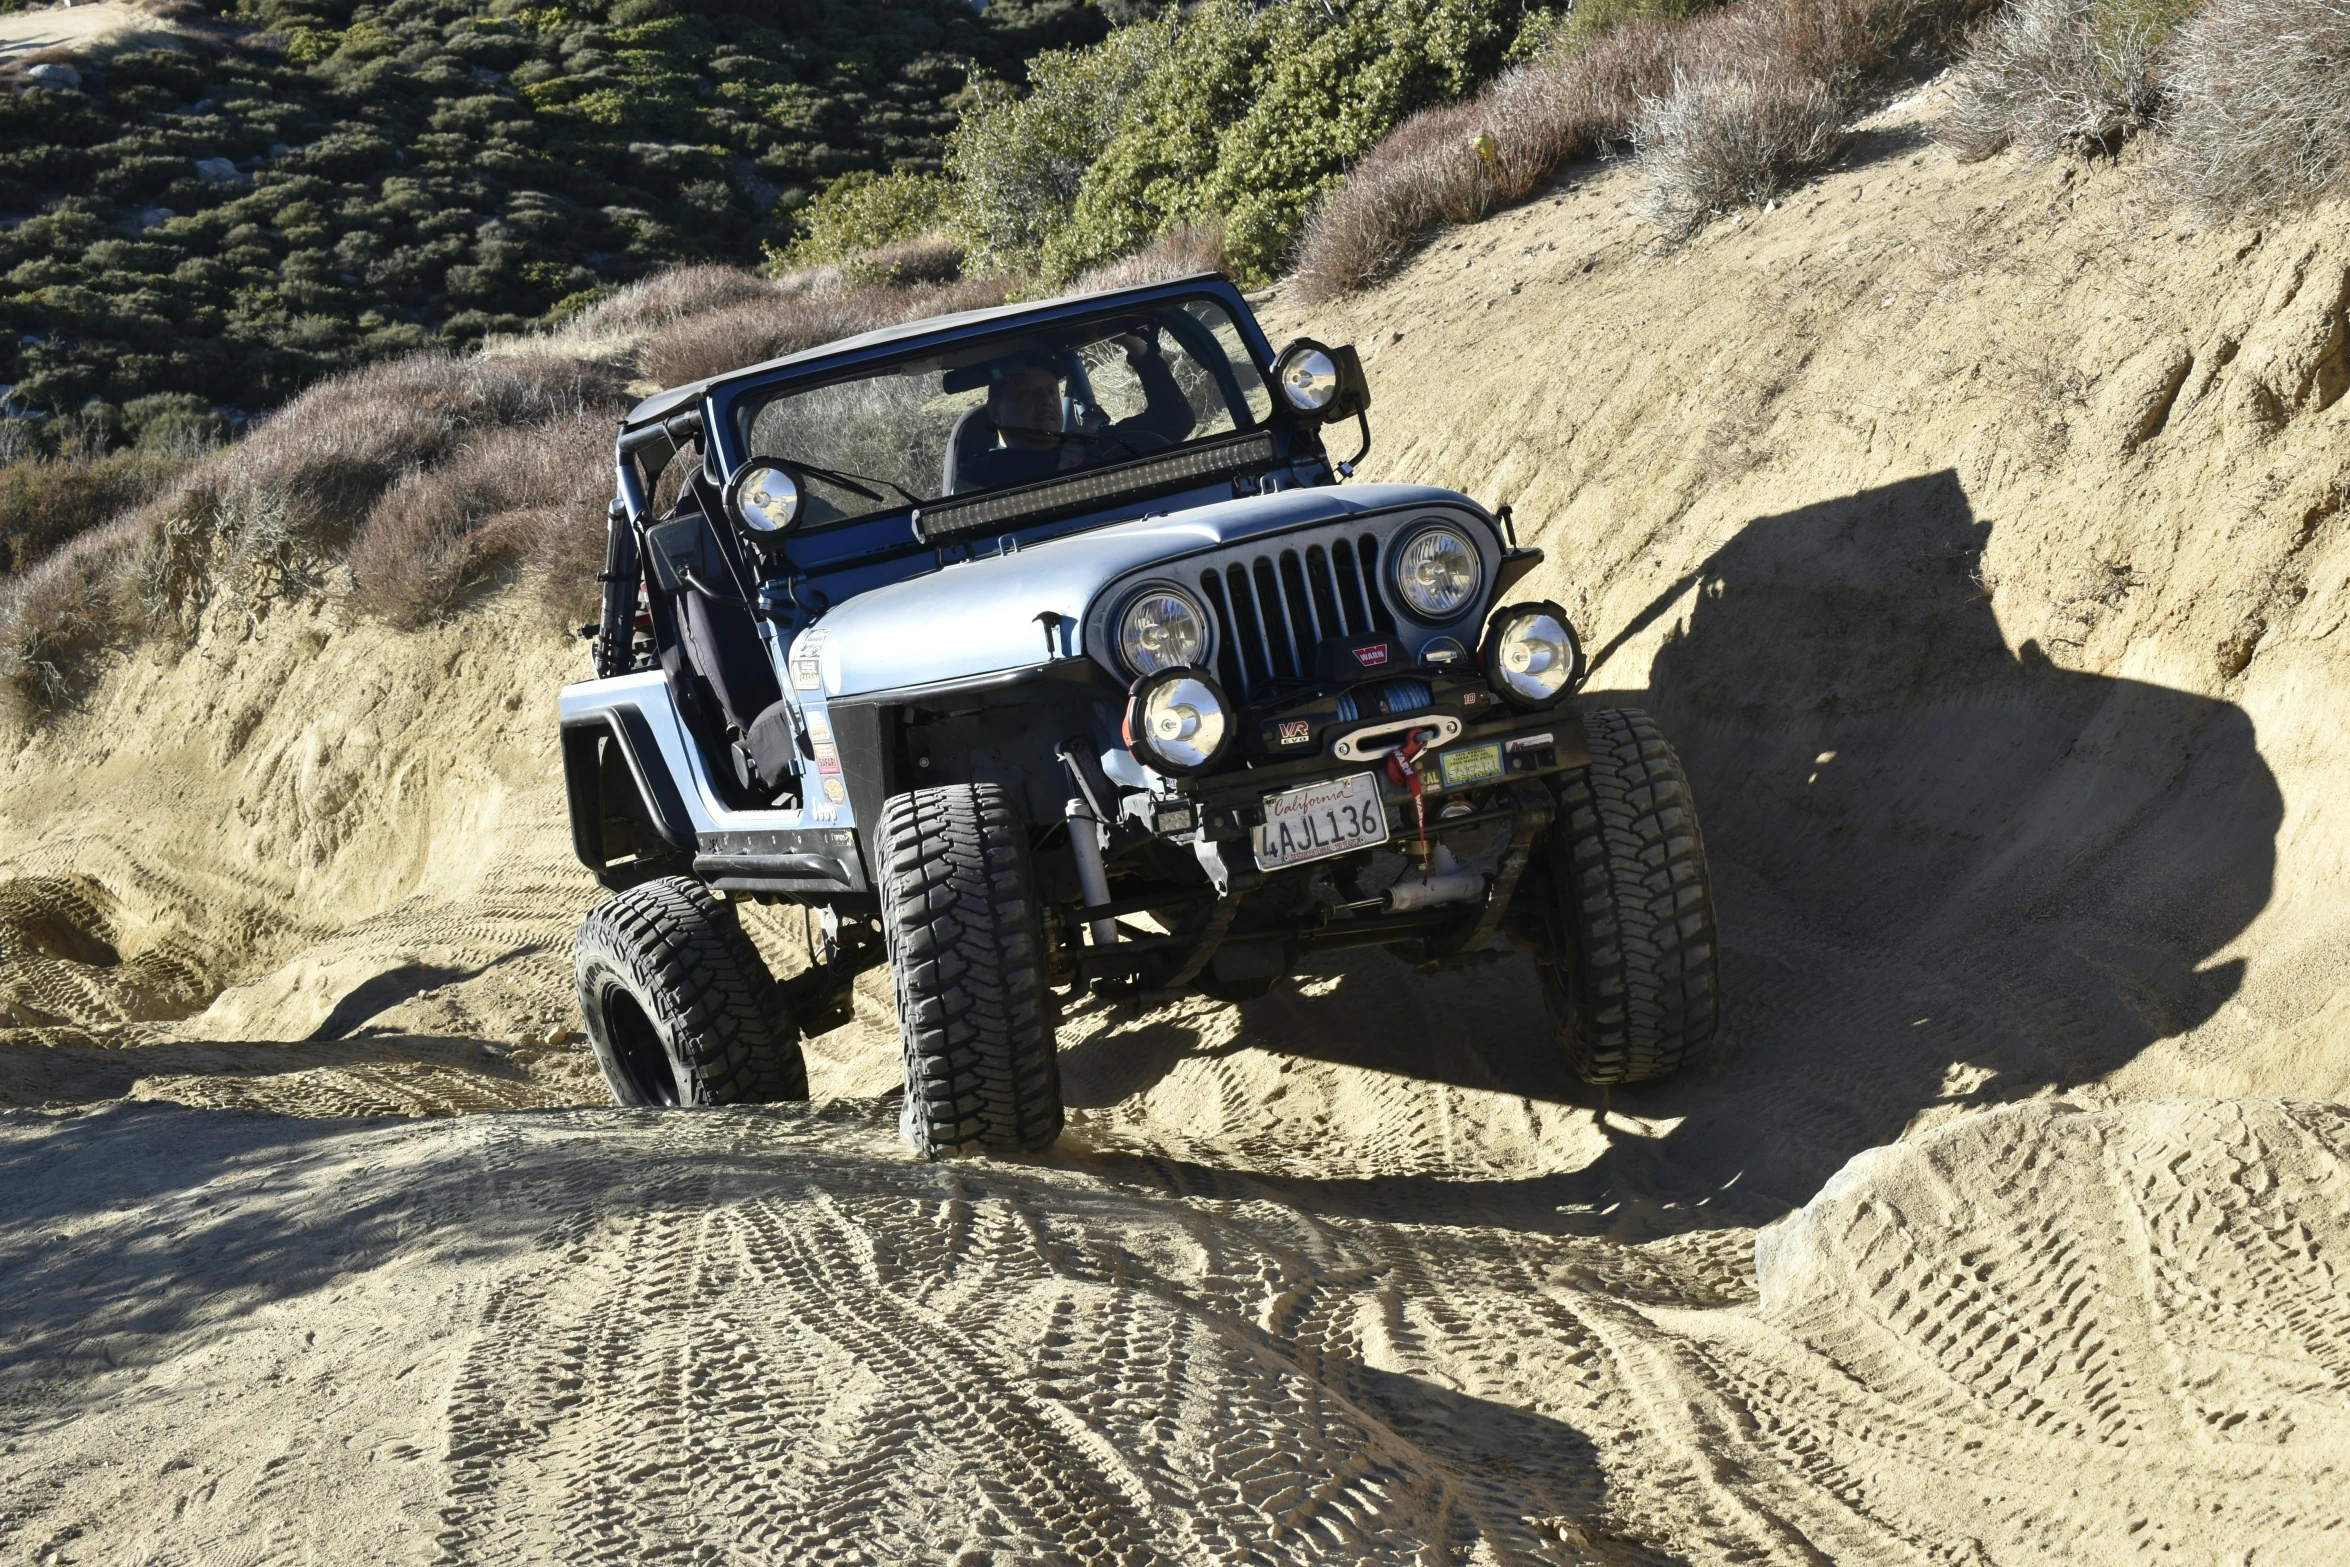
x,y
637,1046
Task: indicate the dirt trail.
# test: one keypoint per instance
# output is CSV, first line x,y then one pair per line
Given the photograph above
x,y
1980,538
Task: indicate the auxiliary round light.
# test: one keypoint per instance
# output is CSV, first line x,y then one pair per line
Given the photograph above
x,y
1438,573
1308,377
1163,628
1177,721
766,497
1531,655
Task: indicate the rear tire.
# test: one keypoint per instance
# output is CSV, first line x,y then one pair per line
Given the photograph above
x,y
1629,969
966,954
678,1004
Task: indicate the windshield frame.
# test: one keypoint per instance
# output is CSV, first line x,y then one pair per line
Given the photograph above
x,y
729,397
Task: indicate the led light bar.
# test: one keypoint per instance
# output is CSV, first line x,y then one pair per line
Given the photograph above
x,y
1180,470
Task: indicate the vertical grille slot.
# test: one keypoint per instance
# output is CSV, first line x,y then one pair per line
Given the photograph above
x,y
1280,648
1304,631
1350,587
1248,631
1325,591
1381,620
1231,647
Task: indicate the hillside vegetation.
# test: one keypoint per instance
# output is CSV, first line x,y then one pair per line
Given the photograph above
x,y
302,187
296,187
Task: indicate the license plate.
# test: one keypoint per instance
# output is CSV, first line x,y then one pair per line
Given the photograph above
x,y
1320,820
1475,764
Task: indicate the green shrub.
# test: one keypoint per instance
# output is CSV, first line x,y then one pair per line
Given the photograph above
x,y
178,424
1225,114
863,212
1150,175
1021,161
1579,27
1329,93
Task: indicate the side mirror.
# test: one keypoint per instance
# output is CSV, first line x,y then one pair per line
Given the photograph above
x,y
1322,383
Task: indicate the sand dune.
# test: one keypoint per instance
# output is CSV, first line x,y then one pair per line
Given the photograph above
x,y
2006,1228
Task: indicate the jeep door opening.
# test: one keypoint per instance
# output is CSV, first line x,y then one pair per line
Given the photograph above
x,y
1043,651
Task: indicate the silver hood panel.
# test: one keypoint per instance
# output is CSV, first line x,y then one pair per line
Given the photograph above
x,y
980,617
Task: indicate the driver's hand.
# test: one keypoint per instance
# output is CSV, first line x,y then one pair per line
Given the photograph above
x,y
1138,345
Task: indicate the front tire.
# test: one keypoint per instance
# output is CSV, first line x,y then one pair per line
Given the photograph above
x,y
678,1004
1630,970
966,954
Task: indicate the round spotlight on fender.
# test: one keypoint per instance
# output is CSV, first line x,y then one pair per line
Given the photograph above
x,y
765,497
1307,374
1531,655
1177,721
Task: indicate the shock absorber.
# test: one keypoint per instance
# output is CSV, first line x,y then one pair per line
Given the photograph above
x,y
1085,841
1093,877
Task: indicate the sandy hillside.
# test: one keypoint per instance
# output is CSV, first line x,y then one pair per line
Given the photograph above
x,y
1980,537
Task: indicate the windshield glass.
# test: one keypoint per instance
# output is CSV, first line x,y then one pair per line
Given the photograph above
x,y
1012,410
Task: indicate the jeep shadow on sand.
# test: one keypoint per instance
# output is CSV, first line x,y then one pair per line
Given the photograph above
x,y
1042,650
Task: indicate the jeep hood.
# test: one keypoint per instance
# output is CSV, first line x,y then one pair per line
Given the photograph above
x,y
979,617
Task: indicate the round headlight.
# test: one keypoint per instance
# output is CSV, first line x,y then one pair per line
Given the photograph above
x,y
766,497
1162,629
1177,721
1308,377
1438,573
1531,654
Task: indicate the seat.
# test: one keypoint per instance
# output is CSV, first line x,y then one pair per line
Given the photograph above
x,y
721,649
974,432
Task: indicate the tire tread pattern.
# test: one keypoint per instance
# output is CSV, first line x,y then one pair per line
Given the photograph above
x,y
1629,865
683,955
966,955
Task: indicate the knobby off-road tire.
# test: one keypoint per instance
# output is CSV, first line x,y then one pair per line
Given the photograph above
x,y
1631,971
679,1005
966,953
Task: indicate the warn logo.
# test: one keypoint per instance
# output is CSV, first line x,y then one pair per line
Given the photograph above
x,y
1373,656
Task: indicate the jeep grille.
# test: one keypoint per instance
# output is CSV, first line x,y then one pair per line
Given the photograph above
x,y
1274,610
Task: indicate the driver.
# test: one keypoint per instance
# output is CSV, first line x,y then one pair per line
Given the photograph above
x,y
1024,403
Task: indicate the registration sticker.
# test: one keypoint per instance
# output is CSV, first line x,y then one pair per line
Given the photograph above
x,y
1320,820
1471,764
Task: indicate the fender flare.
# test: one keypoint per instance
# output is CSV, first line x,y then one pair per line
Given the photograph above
x,y
663,807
